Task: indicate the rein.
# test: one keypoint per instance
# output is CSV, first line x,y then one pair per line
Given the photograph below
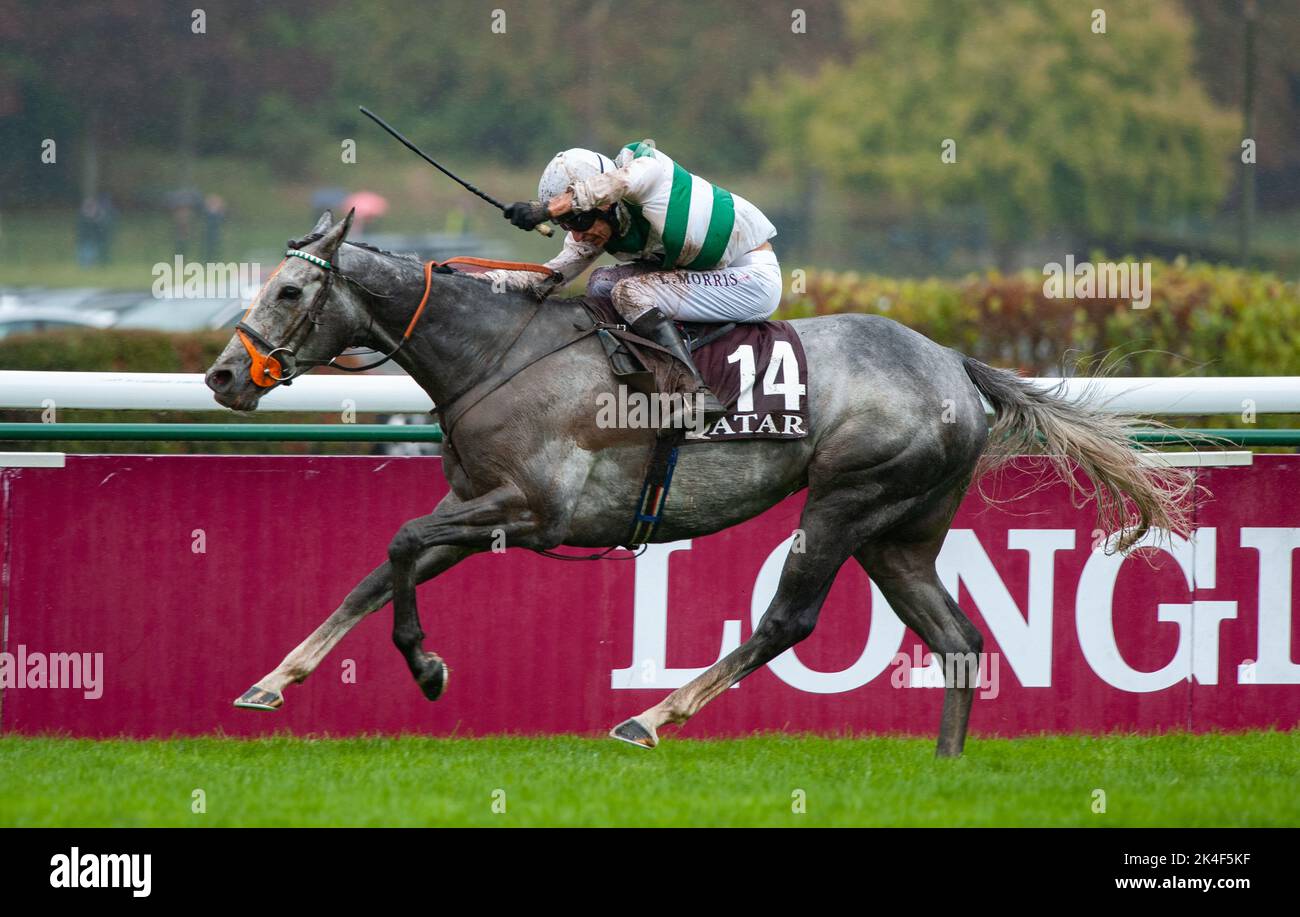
x,y
450,413
494,379
280,364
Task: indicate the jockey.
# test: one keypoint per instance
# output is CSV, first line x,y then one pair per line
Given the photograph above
x,y
692,251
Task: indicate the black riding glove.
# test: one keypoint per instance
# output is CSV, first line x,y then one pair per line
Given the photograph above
x,y
527,215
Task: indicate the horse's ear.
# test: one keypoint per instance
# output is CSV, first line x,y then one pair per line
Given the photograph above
x,y
324,223
333,238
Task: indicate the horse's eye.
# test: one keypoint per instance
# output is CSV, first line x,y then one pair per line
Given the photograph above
x,y
290,292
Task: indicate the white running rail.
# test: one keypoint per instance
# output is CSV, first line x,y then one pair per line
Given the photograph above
x,y
398,394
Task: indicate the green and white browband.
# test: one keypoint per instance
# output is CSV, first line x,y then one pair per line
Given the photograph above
x,y
319,262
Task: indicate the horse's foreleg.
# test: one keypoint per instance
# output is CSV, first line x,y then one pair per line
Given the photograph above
x,y
501,516
791,616
371,594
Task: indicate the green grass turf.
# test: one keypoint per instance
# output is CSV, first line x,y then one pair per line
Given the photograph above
x,y
1175,779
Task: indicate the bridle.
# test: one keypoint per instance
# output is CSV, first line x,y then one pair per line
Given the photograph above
x,y
279,364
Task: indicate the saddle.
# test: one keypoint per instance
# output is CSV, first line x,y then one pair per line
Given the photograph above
x,y
641,364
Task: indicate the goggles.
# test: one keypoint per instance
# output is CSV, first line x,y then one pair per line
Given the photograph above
x,y
578,222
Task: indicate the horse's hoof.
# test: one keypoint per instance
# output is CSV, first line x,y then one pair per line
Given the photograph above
x,y
256,698
635,732
433,677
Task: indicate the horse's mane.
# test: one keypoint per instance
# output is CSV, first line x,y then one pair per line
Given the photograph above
x,y
317,236
573,302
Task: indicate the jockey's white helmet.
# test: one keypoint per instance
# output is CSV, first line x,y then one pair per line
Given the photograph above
x,y
572,165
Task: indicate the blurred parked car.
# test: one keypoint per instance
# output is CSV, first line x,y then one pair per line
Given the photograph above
x,y
68,298
184,314
29,319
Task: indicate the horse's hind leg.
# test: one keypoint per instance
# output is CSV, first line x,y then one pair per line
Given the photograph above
x,y
906,576
791,616
371,594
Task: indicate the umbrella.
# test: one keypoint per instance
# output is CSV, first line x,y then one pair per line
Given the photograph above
x,y
368,204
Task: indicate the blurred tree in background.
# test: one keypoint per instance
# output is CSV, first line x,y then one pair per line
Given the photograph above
x,y
1051,124
1219,56
100,77
267,81
829,113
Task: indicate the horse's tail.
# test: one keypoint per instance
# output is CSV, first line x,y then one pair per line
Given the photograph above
x,y
1030,419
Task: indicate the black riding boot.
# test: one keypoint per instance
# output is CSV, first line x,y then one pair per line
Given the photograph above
x,y
657,327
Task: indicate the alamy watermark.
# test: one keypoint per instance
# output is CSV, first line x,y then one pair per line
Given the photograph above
x,y
181,279
1101,280
103,870
952,670
80,671
635,410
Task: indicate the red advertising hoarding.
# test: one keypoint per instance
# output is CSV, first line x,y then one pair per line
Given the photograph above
x,y
177,581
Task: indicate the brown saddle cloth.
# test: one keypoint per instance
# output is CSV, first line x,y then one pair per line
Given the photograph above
x,y
757,370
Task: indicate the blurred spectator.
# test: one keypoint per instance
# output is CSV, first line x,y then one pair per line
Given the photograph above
x,y
214,216
184,203
94,231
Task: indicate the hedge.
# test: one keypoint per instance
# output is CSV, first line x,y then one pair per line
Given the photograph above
x,y
1203,319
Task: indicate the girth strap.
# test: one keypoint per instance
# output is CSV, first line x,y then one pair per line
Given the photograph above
x,y
654,489
650,506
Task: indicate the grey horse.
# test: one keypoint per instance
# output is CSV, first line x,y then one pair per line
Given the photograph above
x,y
898,431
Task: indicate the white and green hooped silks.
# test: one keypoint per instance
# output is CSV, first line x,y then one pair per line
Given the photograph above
x,y
693,223
698,213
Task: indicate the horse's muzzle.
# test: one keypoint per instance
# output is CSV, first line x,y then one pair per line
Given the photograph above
x,y
223,380
219,379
